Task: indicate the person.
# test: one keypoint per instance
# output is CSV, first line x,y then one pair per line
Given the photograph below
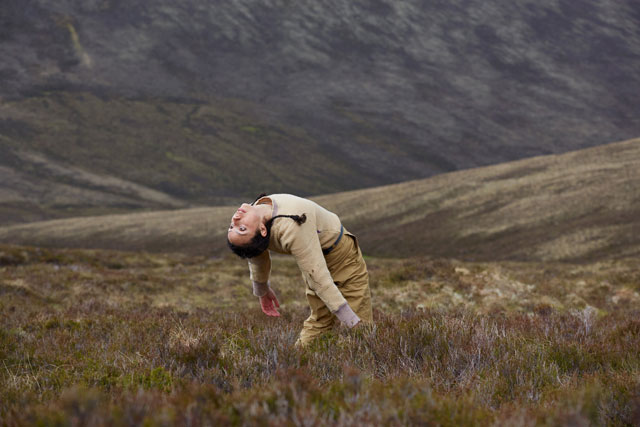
x,y
335,274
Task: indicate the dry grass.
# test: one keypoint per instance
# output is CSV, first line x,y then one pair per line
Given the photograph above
x,y
580,206
113,338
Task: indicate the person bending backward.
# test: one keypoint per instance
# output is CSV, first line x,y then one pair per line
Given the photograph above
x,y
335,274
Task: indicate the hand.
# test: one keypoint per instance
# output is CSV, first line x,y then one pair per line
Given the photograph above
x,y
269,302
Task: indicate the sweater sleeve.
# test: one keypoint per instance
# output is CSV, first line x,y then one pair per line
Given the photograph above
x,y
259,271
304,244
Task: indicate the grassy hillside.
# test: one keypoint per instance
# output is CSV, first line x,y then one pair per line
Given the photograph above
x,y
583,205
332,96
112,338
69,154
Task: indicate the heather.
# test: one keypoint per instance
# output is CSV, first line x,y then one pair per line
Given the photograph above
x,y
117,338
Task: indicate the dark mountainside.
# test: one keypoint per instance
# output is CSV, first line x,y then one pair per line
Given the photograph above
x,y
109,106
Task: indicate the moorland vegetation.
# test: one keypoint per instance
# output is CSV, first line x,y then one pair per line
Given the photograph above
x,y
99,337
121,338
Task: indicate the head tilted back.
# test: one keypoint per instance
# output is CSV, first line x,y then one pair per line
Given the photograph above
x,y
260,243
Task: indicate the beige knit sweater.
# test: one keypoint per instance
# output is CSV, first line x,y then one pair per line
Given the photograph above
x,y
305,243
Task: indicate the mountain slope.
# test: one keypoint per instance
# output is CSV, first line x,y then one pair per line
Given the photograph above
x,y
186,152
579,206
332,95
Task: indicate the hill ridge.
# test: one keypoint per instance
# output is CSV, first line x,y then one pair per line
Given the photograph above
x,y
577,206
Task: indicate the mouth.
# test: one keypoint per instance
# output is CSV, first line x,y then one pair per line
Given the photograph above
x,y
241,210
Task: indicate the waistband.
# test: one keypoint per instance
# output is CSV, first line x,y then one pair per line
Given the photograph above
x,y
332,247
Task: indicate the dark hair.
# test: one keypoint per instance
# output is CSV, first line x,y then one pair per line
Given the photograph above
x,y
260,243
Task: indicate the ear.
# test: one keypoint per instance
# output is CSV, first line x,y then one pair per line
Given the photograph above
x,y
263,230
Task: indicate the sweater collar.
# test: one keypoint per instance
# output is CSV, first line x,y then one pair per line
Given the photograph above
x,y
274,205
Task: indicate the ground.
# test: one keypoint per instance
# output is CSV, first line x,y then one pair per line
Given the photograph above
x,y
115,338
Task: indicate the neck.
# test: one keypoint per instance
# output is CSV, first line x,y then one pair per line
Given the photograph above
x,y
265,212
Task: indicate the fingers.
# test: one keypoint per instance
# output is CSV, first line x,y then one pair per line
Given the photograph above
x,y
268,308
272,296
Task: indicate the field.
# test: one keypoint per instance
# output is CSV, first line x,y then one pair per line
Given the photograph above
x,y
118,338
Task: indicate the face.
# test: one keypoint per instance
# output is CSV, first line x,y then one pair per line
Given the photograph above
x,y
244,224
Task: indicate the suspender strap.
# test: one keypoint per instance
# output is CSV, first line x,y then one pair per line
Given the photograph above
x,y
330,248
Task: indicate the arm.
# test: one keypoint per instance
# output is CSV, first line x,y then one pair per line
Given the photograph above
x,y
260,270
304,245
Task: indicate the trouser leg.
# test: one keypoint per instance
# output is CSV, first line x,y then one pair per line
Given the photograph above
x,y
356,291
319,321
349,271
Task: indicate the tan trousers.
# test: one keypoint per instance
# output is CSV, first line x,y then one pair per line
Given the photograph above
x,y
349,273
